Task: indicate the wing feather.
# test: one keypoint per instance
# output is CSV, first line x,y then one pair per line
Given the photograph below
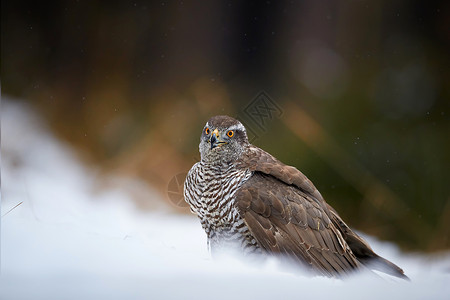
x,y
284,221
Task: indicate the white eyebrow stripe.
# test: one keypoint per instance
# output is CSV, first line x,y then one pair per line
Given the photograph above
x,y
238,126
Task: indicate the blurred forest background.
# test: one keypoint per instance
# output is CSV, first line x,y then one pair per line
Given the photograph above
x,y
355,94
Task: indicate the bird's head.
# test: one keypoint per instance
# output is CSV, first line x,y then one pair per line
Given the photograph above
x,y
223,140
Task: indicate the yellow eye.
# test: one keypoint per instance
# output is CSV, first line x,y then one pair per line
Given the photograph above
x,y
230,133
207,130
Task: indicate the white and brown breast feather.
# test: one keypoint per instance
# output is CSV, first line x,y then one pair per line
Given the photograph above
x,y
209,190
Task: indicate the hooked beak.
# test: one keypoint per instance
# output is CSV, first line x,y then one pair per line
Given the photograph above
x,y
215,140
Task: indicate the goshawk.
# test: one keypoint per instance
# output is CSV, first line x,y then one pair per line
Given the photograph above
x,y
246,198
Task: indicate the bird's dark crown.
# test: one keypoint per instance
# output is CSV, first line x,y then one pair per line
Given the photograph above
x,y
222,121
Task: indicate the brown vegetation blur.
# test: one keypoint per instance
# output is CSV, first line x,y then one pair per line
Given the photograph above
x,y
361,87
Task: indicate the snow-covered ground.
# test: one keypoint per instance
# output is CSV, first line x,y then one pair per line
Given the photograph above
x,y
68,239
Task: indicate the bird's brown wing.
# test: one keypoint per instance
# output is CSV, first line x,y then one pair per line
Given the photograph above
x,y
285,220
288,215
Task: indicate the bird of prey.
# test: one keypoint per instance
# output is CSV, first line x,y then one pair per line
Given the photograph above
x,y
247,199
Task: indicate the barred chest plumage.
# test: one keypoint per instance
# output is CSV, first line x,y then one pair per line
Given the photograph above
x,y
210,191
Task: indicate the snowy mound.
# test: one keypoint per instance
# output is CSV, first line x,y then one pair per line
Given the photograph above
x,y
63,238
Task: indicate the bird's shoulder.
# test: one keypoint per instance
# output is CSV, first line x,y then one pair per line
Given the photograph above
x,y
257,160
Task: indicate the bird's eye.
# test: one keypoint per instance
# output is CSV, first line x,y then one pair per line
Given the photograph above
x,y
207,130
230,133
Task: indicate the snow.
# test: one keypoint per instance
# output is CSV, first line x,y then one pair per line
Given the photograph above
x,y
70,239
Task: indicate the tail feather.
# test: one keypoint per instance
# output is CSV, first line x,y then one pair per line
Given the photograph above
x,y
363,251
379,263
